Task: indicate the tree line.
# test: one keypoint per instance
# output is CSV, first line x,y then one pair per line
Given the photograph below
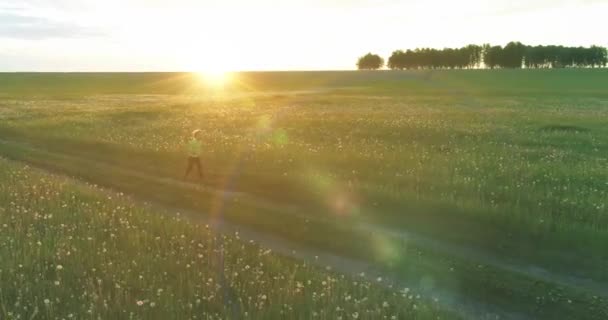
x,y
513,55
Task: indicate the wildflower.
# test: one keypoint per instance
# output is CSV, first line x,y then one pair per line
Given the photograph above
x,y
47,301
59,267
140,303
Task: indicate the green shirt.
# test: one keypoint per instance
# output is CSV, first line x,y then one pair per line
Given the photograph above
x,y
195,148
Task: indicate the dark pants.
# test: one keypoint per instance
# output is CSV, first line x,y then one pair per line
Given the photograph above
x,y
194,162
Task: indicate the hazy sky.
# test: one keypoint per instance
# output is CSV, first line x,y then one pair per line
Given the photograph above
x,y
128,35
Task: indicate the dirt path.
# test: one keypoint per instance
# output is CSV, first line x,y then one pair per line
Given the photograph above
x,y
363,227
459,304
468,308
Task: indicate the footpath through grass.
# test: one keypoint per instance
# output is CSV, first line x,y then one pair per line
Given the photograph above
x,y
75,251
492,288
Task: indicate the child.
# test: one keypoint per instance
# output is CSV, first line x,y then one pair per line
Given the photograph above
x,y
195,146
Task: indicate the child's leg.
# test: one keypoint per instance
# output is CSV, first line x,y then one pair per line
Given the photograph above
x,y
199,168
188,168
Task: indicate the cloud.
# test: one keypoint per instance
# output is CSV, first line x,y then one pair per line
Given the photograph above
x,y
17,26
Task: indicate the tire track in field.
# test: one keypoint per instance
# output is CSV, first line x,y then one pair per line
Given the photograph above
x,y
360,226
341,263
463,306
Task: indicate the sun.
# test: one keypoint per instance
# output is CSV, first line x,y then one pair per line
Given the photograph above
x,y
215,77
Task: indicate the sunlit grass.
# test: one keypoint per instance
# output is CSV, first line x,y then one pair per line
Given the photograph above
x,y
75,251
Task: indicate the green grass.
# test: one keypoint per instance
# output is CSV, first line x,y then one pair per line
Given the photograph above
x,y
508,163
76,251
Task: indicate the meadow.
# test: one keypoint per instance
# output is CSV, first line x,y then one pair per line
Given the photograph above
x,y
75,251
490,185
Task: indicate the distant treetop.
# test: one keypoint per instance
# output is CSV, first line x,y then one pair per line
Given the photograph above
x,y
370,62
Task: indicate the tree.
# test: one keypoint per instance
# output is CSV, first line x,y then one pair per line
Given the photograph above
x,y
370,62
512,55
397,60
474,52
492,56
597,56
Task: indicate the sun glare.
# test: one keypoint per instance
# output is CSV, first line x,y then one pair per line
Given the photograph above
x,y
215,78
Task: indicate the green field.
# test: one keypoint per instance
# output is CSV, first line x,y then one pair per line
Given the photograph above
x,y
485,186
74,251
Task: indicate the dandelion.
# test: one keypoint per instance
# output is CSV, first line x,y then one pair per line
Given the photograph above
x,y
59,267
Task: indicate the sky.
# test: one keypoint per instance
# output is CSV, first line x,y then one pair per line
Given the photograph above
x,y
234,35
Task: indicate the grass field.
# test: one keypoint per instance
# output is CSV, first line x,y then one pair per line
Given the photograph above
x,y
490,185
71,250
